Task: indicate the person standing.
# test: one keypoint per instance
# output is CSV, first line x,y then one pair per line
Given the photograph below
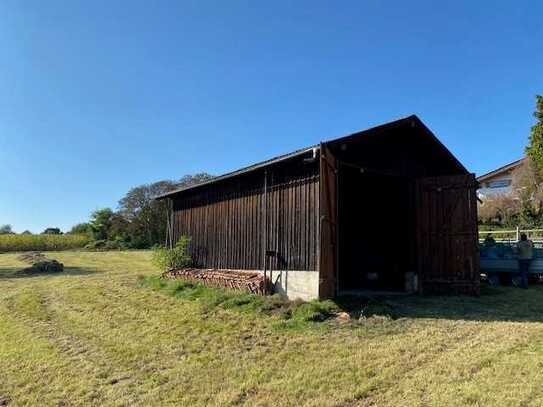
x,y
525,256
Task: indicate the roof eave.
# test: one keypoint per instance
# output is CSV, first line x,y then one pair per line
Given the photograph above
x,y
246,170
500,170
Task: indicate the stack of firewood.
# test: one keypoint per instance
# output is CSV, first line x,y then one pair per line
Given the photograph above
x,y
252,282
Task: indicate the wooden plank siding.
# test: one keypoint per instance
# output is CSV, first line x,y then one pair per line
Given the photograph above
x,y
448,248
326,214
226,221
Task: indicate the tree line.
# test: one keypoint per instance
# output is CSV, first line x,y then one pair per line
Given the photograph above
x,y
139,221
8,230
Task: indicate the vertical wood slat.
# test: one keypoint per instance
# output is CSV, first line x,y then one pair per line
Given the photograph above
x,y
225,221
448,251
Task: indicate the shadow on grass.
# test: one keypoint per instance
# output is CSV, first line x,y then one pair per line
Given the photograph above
x,y
495,304
17,272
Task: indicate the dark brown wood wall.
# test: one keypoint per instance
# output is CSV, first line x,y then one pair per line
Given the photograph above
x,y
226,221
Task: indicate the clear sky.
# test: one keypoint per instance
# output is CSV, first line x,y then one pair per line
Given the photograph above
x,y
99,96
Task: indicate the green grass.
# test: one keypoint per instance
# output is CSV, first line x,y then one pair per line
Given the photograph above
x,y
18,243
98,334
291,314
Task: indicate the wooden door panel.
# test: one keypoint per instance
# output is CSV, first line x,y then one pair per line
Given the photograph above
x,y
448,248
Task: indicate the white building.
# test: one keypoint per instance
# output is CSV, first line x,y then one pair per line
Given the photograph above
x,y
498,181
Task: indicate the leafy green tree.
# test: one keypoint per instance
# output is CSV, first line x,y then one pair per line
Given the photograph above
x,y
146,217
26,232
119,229
100,223
80,229
534,150
140,221
6,230
188,180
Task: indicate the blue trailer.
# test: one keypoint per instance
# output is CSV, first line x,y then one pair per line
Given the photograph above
x,y
499,264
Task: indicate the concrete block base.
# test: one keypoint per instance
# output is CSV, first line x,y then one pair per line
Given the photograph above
x,y
295,284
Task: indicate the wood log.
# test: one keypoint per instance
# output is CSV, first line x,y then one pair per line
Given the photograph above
x,y
252,282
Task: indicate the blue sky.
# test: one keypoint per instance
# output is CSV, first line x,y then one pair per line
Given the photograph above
x,y
100,96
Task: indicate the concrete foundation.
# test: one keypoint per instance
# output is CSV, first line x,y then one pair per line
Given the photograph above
x,y
295,284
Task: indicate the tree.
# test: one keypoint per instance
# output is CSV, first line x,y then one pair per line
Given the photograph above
x,y
140,220
534,150
26,232
100,223
119,229
51,231
6,230
143,215
188,180
80,229
146,217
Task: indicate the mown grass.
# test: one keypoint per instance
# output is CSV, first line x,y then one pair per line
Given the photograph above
x,y
291,314
19,243
94,336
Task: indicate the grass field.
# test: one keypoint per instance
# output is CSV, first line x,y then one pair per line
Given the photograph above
x,y
93,336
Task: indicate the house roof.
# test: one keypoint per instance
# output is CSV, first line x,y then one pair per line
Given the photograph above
x,y
504,169
411,121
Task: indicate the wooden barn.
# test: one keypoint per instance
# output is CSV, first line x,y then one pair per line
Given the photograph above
x,y
387,209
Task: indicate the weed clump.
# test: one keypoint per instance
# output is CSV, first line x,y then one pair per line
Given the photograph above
x,y
315,311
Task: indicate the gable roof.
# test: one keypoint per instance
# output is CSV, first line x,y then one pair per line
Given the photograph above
x,y
504,169
411,121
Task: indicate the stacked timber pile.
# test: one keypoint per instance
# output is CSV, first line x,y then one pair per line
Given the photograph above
x,y
252,282
40,264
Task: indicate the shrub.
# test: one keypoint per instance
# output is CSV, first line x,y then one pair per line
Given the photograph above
x,y
20,243
95,245
176,258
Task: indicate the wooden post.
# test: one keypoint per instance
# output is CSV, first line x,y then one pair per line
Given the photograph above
x,y
265,240
168,236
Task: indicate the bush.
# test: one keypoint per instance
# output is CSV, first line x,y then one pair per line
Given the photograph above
x,y
96,245
176,258
21,243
